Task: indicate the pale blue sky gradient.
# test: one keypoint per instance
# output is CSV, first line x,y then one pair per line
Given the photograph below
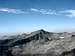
x,y
23,19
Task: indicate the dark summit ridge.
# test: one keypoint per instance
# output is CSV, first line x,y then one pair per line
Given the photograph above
x,y
38,32
41,30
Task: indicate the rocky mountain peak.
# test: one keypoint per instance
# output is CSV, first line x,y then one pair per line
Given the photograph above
x,y
42,30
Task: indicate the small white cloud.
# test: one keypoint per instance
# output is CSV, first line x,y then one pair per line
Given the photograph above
x,y
16,11
70,13
5,10
44,11
33,9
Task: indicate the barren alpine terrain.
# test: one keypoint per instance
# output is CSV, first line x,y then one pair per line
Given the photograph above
x,y
39,43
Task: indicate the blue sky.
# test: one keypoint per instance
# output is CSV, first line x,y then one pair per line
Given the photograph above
x,y
31,15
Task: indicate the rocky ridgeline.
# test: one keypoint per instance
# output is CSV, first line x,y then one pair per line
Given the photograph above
x,y
39,43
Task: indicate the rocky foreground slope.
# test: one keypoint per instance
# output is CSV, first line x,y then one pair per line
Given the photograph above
x,y
39,43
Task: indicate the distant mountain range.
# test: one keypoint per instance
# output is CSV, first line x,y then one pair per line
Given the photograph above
x,y
37,43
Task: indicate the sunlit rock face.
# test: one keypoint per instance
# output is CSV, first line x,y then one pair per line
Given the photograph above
x,y
39,43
